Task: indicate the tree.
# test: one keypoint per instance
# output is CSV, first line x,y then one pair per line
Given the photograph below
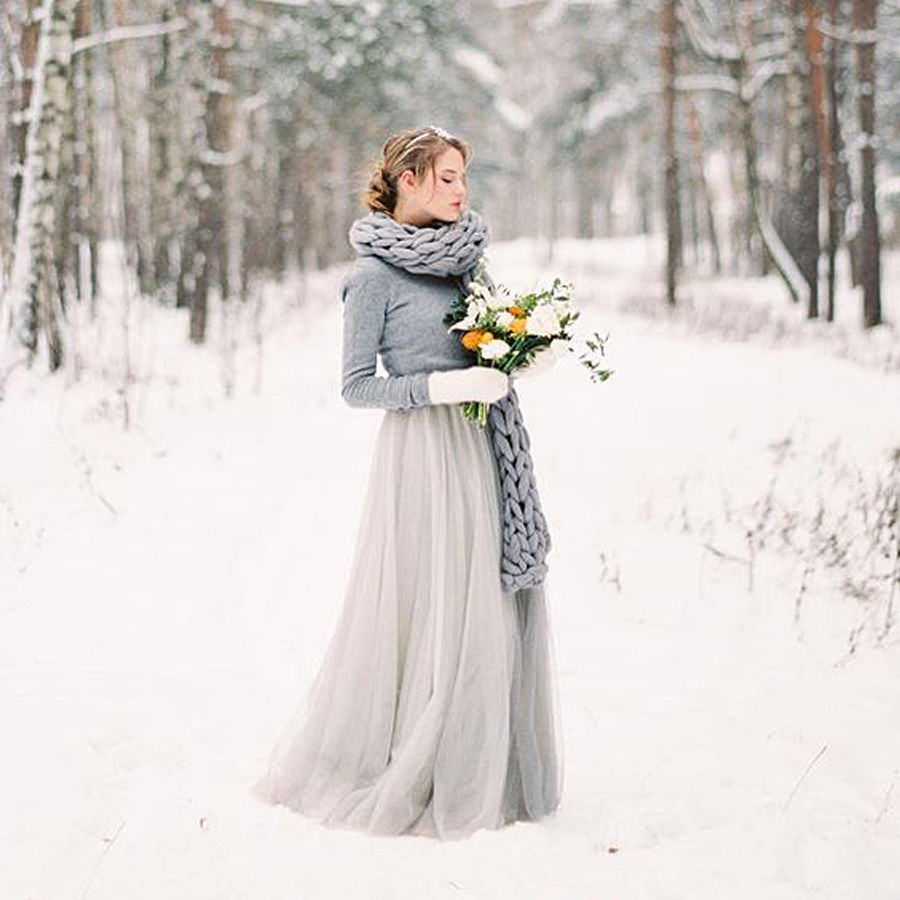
x,y
865,14
673,207
837,180
32,299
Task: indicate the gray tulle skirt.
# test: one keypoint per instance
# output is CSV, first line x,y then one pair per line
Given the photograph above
x,y
435,709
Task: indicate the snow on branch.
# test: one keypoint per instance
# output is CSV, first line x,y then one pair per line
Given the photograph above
x,y
210,157
615,104
489,75
856,36
762,76
480,64
782,258
294,3
127,32
708,82
513,114
777,47
703,42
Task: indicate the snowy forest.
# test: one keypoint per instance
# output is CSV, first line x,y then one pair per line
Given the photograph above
x,y
181,482
222,143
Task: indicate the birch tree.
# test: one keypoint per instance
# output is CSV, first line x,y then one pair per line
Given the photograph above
x,y
31,298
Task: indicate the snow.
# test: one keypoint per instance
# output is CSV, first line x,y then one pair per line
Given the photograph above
x,y
512,113
166,593
479,64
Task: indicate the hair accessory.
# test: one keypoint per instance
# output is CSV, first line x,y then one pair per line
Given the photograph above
x,y
440,132
428,131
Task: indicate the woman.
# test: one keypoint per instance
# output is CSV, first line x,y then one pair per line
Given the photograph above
x,y
434,710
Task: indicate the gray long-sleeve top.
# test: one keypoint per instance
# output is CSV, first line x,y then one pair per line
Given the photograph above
x,y
400,315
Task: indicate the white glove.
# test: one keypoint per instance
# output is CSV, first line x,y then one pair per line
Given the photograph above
x,y
544,359
483,383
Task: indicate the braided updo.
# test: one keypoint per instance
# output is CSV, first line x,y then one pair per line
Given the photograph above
x,y
413,148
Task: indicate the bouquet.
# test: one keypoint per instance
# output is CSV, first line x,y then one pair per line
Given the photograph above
x,y
507,330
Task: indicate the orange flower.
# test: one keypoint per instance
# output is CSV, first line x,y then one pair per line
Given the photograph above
x,y
517,326
486,337
471,339
517,310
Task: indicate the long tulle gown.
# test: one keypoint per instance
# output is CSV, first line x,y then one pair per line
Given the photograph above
x,y
435,710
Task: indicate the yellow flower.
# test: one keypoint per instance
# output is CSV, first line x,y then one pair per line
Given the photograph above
x,y
471,339
517,326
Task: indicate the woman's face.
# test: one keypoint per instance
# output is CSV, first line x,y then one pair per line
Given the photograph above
x,y
441,193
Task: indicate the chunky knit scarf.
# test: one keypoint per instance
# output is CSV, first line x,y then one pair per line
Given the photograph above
x,y
454,249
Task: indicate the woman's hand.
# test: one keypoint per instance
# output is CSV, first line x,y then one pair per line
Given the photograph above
x,y
480,383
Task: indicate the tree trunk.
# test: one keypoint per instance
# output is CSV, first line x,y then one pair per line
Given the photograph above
x,y
673,210
813,139
774,246
86,225
163,203
214,242
65,207
135,198
836,174
705,196
33,301
865,13
28,47
798,218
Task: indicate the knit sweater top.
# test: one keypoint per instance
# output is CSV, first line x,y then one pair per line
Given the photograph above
x,y
399,315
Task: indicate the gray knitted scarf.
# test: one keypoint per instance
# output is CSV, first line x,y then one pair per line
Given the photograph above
x,y
454,249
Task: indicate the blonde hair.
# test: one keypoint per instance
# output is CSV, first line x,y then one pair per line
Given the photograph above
x,y
413,148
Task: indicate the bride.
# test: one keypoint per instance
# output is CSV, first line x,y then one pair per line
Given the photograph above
x,y
435,709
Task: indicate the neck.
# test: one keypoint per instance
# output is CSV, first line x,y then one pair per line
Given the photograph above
x,y
421,218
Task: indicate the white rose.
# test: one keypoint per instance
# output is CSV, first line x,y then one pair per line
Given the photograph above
x,y
542,321
464,324
497,301
494,349
505,319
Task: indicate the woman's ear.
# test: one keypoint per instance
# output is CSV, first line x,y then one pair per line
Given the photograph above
x,y
407,178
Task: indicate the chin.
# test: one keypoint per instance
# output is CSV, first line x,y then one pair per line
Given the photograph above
x,y
448,217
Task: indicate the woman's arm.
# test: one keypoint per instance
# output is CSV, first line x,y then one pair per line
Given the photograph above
x,y
364,293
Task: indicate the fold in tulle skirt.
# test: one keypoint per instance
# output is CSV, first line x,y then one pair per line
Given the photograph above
x,y
435,710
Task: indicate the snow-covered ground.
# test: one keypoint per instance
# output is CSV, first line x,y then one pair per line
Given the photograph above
x,y
166,593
